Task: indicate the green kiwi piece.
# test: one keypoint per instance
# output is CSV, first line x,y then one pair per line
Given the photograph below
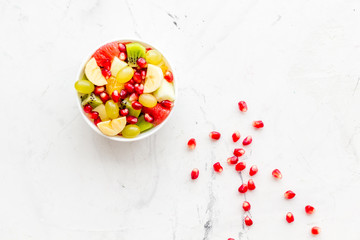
x,y
134,52
144,125
91,99
127,104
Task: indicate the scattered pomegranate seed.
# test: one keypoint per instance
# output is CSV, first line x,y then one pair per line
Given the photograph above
x,y
143,74
104,97
99,90
231,239
215,135
148,118
131,119
277,174
247,140
166,104
309,209
169,76
315,230
217,167
123,94
136,105
137,77
289,194
258,124
248,221
242,106
122,56
243,188
253,170
251,184
236,136
233,160
139,88
192,143
289,217
122,47
94,115
124,112
194,173
129,87
115,96
133,97
87,108
106,73
240,166
96,121
239,152
141,62
246,206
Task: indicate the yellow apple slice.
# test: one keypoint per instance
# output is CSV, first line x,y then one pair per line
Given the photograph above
x,y
116,66
165,92
106,128
93,73
102,112
154,78
118,124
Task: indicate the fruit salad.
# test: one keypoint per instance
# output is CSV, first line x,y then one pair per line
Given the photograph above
x,y
126,88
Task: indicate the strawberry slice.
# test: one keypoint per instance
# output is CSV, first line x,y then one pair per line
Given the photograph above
x,y
159,113
106,53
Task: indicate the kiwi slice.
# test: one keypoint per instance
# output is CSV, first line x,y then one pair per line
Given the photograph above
x,y
134,52
127,104
91,99
144,125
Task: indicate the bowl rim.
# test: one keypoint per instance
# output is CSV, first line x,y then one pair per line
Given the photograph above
x,y
141,136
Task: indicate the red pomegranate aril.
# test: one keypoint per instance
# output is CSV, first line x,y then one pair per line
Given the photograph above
x,y
143,74
243,188
240,166
141,62
139,88
166,104
194,173
251,184
169,76
253,170
277,174
137,77
97,120
233,160
87,108
136,105
129,87
315,230
99,89
148,48
258,124
239,152
247,140
242,106
106,73
217,167
115,96
122,47
215,135
132,82
246,206
231,239
289,217
192,143
124,112
123,94
309,209
122,56
94,115
133,97
289,194
104,97
131,119
248,221
236,136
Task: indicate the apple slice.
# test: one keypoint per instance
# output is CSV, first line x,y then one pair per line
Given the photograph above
x,y
116,66
165,92
93,73
102,112
154,78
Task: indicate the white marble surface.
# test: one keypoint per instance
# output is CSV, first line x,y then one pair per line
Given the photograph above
x,y
296,63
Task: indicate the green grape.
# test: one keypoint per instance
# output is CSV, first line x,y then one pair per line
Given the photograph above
x,y
125,74
153,57
84,86
148,100
130,131
112,109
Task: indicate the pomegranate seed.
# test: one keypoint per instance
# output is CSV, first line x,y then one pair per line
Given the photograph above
x,y
239,152
122,56
122,47
242,106
166,104
94,115
137,77
215,135
277,174
87,108
258,124
247,140
248,221
123,94
148,118
148,49
133,97
289,194
131,119
106,73
115,96
253,170
124,112
192,143
232,160
143,74
251,184
315,230
289,217
218,167
97,120
236,136
132,82
246,206
194,173
104,97
240,166
136,105
243,188
99,90
309,209
129,87
141,62
169,76
139,88
231,239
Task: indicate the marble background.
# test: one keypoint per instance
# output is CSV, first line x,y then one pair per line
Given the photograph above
x,y
296,63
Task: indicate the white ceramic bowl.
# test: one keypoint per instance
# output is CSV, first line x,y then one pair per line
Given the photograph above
x,y
143,135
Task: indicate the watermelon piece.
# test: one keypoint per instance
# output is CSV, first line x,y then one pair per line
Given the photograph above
x,y
159,113
105,54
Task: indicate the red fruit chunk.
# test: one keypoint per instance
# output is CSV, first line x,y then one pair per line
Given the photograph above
x,y
232,160
159,113
242,106
251,184
215,135
96,121
258,124
115,96
236,136
167,104
239,152
94,115
289,217
247,140
141,62
253,170
99,90
87,108
124,112
131,119
248,221
315,230
169,76
194,173
240,166
106,53
148,118
104,97
309,209
289,194
243,188
136,105
246,206
218,167
277,174
192,143
106,73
